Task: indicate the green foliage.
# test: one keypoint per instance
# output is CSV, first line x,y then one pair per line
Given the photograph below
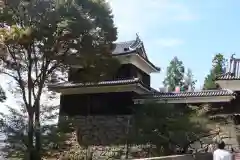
x,y
56,30
175,74
44,38
14,126
189,81
218,68
170,128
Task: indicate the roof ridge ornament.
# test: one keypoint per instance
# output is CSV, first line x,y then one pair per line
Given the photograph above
x,y
233,55
137,37
136,43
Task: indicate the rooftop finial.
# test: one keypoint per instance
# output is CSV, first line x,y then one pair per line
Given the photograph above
x,y
137,37
232,56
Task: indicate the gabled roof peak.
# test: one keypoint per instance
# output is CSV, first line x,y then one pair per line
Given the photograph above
x,y
127,46
137,43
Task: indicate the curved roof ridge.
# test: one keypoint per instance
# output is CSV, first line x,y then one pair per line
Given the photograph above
x,y
211,90
121,42
135,44
107,82
208,90
204,93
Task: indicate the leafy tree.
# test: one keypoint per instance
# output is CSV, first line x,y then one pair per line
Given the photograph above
x,y
189,81
175,75
169,129
42,37
14,126
218,68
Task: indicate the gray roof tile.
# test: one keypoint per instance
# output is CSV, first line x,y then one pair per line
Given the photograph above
x,y
103,83
154,93
228,76
129,47
123,47
172,95
233,71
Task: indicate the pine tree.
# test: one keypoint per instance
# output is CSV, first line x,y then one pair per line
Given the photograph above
x,y
218,68
189,81
175,75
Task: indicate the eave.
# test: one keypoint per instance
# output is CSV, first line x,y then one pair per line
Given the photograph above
x,y
209,96
129,85
229,81
140,58
136,49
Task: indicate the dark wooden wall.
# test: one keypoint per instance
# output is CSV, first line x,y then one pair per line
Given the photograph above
x,y
97,104
126,71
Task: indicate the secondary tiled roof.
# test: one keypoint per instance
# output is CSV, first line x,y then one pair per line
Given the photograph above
x,y
180,95
102,83
229,76
233,71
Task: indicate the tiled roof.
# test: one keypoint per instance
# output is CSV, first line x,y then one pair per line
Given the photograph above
x,y
228,76
103,83
233,71
128,47
154,93
172,95
124,47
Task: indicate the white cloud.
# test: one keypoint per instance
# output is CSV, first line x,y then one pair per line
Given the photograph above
x,y
169,42
133,16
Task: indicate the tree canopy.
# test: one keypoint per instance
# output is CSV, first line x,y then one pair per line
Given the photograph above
x,y
176,76
189,81
40,39
169,128
218,68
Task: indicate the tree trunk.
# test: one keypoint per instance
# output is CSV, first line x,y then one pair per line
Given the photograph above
x,y
37,132
30,136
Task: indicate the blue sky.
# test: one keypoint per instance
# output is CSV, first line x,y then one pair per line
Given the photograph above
x,y
192,30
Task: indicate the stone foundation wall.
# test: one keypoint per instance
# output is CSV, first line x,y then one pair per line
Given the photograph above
x,y
228,132
103,130
106,137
